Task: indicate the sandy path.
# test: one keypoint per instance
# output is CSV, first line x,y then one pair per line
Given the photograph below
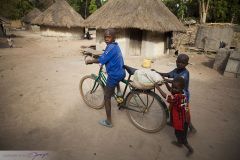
x,y
40,108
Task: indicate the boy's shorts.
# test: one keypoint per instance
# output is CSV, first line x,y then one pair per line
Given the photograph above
x,y
110,87
111,82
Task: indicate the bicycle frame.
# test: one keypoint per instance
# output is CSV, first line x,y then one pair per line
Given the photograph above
x,y
102,80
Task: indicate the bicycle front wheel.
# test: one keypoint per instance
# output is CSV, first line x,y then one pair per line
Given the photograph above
x,y
92,92
145,111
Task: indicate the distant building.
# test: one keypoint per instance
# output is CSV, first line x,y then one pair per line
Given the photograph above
x,y
3,23
27,19
143,26
60,20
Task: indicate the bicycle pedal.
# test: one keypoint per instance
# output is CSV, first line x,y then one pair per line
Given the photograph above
x,y
119,100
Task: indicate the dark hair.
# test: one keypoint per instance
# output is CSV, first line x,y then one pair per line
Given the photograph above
x,y
183,58
180,81
110,31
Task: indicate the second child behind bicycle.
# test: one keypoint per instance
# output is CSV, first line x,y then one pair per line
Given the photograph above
x,y
179,111
181,71
113,60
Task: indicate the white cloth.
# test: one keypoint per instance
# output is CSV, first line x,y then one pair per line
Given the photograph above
x,y
145,79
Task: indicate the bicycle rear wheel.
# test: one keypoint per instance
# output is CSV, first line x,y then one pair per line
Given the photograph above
x,y
145,111
92,92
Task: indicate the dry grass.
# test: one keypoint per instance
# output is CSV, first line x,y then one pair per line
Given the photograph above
x,y
59,14
150,15
31,15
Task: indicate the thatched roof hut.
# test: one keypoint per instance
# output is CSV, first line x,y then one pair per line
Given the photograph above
x,y
59,14
150,15
3,22
60,17
31,15
149,19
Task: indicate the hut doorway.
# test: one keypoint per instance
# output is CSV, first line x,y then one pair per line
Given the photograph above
x,y
135,42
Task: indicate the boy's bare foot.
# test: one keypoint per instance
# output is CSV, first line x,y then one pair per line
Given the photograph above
x,y
190,150
169,123
189,153
176,143
192,130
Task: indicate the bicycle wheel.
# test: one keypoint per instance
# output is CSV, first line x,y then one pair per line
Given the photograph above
x,y
92,92
145,111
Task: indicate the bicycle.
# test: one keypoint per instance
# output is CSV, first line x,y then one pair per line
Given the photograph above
x,y
145,109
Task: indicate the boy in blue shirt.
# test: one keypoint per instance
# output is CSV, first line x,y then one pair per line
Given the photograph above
x,y
113,60
181,71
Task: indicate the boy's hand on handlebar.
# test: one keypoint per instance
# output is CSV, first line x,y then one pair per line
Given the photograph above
x,y
88,60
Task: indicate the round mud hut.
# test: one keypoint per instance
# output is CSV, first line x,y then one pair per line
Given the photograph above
x,y
60,20
143,26
28,18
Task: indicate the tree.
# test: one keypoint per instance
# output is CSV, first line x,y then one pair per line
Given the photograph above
x,y
218,11
92,6
182,8
23,7
234,8
203,10
15,9
76,4
42,4
86,7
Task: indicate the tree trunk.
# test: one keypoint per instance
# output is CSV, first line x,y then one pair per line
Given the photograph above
x,y
200,10
203,10
233,17
204,17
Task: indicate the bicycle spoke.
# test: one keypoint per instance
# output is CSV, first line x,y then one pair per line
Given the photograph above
x,y
140,119
141,107
132,104
152,116
92,92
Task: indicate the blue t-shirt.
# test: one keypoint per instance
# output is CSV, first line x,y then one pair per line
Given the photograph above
x,y
184,73
113,60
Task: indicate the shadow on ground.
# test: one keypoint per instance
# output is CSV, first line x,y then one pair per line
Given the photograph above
x,y
209,63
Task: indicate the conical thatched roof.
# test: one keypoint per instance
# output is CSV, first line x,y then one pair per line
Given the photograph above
x,y
150,15
31,15
59,14
4,20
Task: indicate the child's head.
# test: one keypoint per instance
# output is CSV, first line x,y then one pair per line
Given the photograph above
x,y
178,85
109,35
182,61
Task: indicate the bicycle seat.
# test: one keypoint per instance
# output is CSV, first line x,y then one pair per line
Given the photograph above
x,y
130,70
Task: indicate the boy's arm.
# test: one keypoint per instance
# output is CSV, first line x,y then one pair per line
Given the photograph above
x,y
168,86
161,91
107,55
104,58
162,74
91,61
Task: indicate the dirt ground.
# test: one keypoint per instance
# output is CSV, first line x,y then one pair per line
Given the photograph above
x,y
41,108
